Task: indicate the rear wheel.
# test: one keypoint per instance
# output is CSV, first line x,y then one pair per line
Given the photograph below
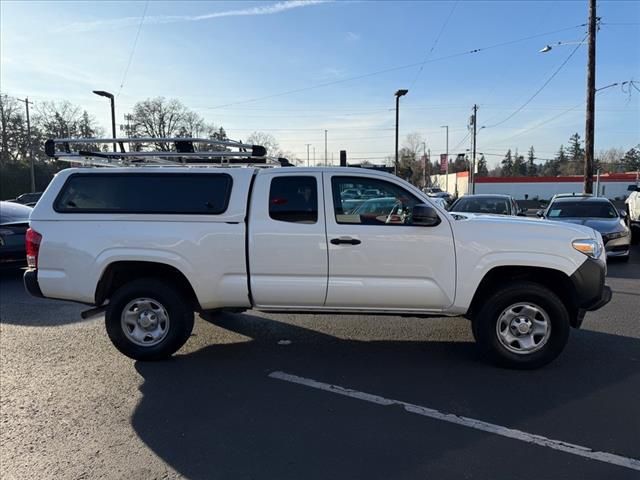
x,y
148,320
524,326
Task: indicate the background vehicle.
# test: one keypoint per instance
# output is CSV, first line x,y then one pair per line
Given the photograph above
x,y
488,205
437,192
595,212
29,199
281,240
632,204
14,221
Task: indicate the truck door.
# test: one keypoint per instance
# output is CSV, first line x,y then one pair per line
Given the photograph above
x,y
377,258
288,265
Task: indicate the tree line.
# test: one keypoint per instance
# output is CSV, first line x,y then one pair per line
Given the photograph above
x,y
568,161
153,117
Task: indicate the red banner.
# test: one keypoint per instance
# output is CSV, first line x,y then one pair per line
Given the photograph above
x,y
443,163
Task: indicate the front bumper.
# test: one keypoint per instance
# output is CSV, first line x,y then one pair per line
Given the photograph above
x,y
31,283
588,281
618,247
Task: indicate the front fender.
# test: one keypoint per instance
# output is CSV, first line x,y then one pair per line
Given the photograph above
x,y
472,272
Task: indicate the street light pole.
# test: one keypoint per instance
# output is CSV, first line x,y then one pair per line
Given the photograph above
x,y
447,154
398,94
325,148
591,101
308,145
108,95
473,170
30,146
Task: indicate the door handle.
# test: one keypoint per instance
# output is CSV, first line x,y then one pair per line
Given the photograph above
x,y
347,240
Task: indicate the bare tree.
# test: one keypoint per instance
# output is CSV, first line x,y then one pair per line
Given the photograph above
x,y
12,125
267,140
411,166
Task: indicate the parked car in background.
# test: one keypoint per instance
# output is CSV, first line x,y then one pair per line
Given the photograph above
x,y
486,204
351,193
29,199
14,221
595,212
632,204
370,193
437,192
441,202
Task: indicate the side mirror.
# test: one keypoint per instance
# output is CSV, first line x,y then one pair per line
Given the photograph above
x,y
623,214
424,216
540,213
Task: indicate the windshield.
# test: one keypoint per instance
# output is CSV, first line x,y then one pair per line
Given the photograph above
x,y
582,209
487,205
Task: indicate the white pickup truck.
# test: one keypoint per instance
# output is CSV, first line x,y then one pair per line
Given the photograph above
x,y
151,245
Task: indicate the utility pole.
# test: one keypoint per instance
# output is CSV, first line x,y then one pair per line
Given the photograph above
x,y
325,148
591,100
308,145
314,156
30,145
473,167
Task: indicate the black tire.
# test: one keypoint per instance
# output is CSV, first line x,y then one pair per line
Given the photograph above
x,y
485,325
178,308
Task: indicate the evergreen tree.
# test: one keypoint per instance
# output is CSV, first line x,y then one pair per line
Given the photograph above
x,y
483,171
507,165
575,161
519,166
460,164
532,169
631,159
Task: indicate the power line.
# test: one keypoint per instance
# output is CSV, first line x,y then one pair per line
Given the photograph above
x,y
133,49
555,117
444,25
391,69
519,109
461,141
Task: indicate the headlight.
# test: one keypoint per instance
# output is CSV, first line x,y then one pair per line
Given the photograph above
x,y
612,236
592,248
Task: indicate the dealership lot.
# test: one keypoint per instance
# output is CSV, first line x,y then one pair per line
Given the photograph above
x,y
73,407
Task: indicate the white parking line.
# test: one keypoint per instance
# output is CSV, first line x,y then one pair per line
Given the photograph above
x,y
581,451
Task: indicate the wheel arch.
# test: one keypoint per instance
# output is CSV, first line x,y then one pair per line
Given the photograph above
x,y
556,280
118,273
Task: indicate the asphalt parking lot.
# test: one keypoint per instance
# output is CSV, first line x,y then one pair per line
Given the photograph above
x,y
71,407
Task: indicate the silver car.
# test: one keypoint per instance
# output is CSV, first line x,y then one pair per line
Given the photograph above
x,y
597,213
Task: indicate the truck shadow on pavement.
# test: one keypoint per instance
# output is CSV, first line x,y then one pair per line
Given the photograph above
x,y
215,413
17,307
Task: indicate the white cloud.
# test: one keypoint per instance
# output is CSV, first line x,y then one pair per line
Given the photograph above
x,y
353,36
123,22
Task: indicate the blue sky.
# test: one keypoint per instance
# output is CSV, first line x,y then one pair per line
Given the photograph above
x,y
215,56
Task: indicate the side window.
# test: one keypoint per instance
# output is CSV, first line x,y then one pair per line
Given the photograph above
x,y
294,199
369,201
145,193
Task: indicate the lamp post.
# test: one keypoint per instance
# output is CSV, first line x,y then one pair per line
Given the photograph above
x,y
398,94
447,154
102,93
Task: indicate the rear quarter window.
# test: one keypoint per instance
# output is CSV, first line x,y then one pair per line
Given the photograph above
x,y
145,193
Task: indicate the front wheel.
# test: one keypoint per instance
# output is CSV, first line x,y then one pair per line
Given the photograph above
x,y
147,319
524,326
